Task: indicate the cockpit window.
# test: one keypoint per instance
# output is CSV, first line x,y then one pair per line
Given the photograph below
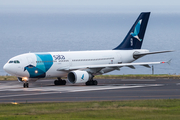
x,y
15,61
11,61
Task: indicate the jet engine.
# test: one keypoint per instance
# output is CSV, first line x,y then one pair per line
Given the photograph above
x,y
78,76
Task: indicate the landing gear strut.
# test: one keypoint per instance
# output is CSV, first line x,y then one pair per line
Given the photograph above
x,y
60,82
26,85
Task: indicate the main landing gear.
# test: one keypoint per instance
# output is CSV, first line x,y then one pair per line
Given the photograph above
x,y
60,82
92,82
26,85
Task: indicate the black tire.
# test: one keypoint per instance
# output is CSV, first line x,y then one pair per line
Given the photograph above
x,y
88,83
27,85
60,82
95,82
56,82
91,82
64,82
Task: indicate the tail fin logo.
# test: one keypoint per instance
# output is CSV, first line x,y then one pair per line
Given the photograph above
x,y
137,30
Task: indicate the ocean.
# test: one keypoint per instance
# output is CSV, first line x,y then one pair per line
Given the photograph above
x,y
23,33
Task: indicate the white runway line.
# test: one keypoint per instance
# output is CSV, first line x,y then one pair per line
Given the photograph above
x,y
46,90
138,80
177,83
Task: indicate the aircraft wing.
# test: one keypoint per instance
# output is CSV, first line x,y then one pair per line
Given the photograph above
x,y
131,65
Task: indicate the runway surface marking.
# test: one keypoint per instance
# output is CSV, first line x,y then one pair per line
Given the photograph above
x,y
67,89
138,80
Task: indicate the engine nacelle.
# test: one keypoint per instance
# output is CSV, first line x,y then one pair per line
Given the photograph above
x,y
78,76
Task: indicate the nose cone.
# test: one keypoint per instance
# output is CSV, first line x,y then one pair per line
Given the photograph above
x,y
6,68
9,69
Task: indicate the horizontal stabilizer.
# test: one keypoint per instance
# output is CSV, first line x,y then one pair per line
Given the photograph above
x,y
138,55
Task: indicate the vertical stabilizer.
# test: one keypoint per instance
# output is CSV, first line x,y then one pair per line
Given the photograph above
x,y
135,36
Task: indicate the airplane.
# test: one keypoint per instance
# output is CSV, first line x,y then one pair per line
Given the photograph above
x,y
82,66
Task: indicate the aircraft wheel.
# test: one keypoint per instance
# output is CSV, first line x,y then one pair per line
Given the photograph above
x,y
95,82
64,82
26,85
92,82
56,82
60,82
89,82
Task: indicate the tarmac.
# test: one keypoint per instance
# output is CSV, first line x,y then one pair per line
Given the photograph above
x,y
106,90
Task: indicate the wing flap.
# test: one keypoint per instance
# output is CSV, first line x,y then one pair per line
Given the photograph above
x,y
146,66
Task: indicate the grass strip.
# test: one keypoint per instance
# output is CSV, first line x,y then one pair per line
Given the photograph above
x,y
8,78
168,109
138,76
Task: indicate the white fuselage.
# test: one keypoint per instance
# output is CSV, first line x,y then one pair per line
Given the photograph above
x,y
60,62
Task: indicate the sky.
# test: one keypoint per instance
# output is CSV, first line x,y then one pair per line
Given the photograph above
x,y
94,6
90,2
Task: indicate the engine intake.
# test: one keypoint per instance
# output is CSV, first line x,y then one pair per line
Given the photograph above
x,y
78,76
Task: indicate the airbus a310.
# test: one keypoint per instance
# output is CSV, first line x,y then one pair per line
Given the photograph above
x,y
82,66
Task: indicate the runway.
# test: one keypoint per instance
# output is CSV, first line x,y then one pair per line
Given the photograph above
x,y
108,89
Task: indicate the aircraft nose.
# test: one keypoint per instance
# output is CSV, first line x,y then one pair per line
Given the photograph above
x,y
5,67
9,69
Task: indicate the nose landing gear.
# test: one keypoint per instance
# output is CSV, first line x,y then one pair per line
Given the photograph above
x,y
26,85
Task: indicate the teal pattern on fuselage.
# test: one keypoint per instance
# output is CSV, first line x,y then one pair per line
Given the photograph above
x,y
43,64
46,61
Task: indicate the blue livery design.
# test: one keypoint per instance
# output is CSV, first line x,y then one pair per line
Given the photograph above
x,y
135,36
82,77
136,31
44,63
